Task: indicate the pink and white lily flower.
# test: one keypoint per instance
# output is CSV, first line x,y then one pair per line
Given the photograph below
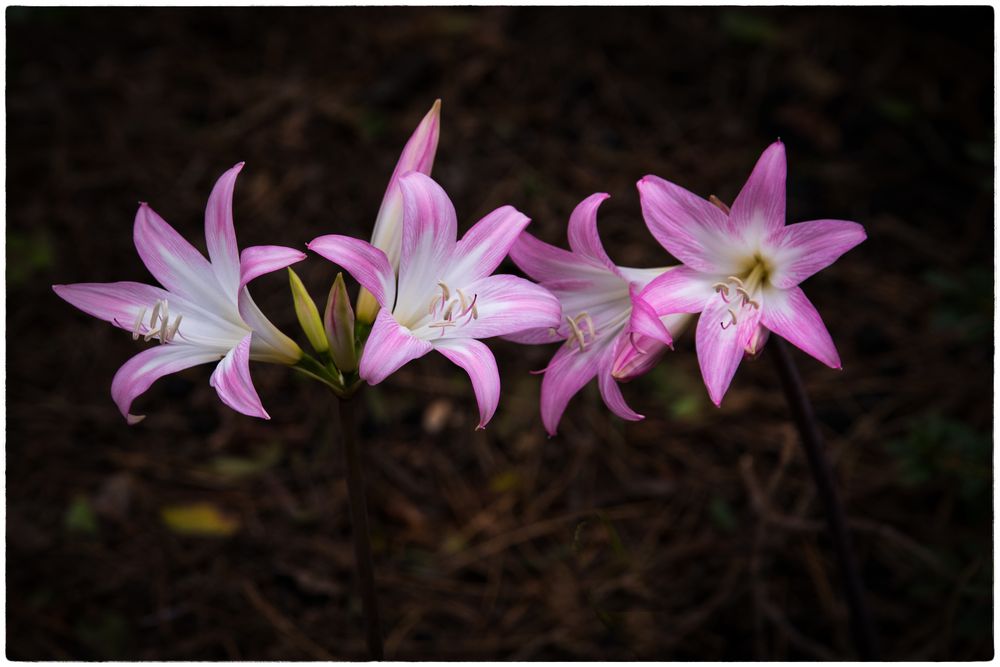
x,y
742,268
608,328
418,155
445,298
202,314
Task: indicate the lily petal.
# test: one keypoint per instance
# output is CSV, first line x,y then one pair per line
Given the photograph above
x,y
220,235
582,231
679,290
231,380
791,315
759,209
118,303
418,155
689,227
720,350
554,267
479,363
567,373
802,249
269,343
366,263
138,373
485,245
507,305
122,303
610,391
429,235
176,264
389,347
258,260
644,320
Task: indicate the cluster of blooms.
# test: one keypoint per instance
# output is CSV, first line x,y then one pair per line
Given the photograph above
x,y
424,289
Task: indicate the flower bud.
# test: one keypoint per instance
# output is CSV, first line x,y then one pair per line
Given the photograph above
x,y
338,321
308,314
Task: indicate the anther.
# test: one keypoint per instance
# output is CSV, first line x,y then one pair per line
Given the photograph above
x,y
736,280
444,290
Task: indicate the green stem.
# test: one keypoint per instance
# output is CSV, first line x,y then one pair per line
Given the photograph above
x,y
359,529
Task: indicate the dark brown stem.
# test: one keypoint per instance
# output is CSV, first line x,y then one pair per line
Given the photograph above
x,y
359,529
861,622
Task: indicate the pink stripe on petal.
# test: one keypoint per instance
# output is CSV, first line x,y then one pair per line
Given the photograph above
x,y
759,209
610,391
175,263
582,231
138,373
679,290
258,260
220,234
802,249
485,245
479,363
791,315
720,348
366,263
567,373
506,305
232,381
689,227
388,348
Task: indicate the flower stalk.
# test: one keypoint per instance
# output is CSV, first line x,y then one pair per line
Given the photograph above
x,y
862,628
359,530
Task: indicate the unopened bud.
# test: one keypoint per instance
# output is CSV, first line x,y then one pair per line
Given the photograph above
x,y
308,314
367,307
339,323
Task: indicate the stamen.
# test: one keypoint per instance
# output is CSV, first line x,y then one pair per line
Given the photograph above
x,y
590,323
735,280
732,314
156,314
581,341
150,334
444,291
138,324
173,331
461,299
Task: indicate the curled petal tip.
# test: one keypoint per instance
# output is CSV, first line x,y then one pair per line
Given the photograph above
x,y
134,419
481,427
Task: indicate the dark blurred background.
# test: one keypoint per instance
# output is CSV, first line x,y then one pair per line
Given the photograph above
x,y
695,534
